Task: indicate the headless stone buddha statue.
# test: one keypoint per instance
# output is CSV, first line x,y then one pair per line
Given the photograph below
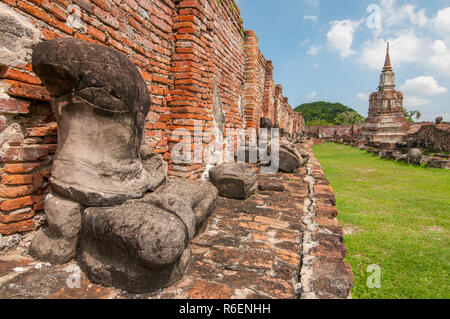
x,y
108,208
100,101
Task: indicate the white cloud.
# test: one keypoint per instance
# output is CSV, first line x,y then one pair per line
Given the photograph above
x,y
311,96
407,28
414,101
340,36
363,96
305,42
395,15
441,23
313,50
405,48
439,61
422,85
373,53
312,3
311,17
439,47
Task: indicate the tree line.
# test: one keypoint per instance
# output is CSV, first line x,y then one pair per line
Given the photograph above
x,y
328,114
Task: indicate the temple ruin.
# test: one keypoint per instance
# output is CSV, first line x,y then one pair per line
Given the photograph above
x,y
386,122
386,131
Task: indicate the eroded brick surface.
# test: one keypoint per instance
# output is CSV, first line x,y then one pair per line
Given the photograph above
x,y
250,248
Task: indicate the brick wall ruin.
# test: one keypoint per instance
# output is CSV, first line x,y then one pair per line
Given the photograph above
x,y
195,56
386,131
426,135
331,132
431,136
431,140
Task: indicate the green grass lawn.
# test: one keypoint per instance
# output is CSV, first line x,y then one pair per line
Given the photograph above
x,y
400,218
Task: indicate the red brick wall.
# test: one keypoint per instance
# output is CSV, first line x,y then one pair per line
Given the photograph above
x,y
140,29
334,131
255,71
182,48
269,93
209,48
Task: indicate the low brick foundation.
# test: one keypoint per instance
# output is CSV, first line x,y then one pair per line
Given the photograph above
x,y
324,273
393,152
431,138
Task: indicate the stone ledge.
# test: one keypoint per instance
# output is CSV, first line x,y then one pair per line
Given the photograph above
x,y
324,273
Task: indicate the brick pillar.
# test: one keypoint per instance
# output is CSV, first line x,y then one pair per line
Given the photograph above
x,y
253,109
269,93
192,93
278,103
285,114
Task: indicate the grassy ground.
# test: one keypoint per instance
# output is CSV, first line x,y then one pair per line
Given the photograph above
x,y
400,218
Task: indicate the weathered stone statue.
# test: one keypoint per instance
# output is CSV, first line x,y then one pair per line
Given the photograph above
x,y
289,157
234,180
265,123
414,156
100,101
142,245
109,206
57,243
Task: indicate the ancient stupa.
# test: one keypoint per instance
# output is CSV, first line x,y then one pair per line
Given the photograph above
x,y
386,122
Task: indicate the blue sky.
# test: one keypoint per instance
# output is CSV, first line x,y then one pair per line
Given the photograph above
x,y
334,50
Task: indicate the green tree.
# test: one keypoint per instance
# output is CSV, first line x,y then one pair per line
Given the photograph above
x,y
349,118
410,115
325,114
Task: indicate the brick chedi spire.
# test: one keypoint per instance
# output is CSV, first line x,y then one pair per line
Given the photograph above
x,y
387,62
387,79
386,122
